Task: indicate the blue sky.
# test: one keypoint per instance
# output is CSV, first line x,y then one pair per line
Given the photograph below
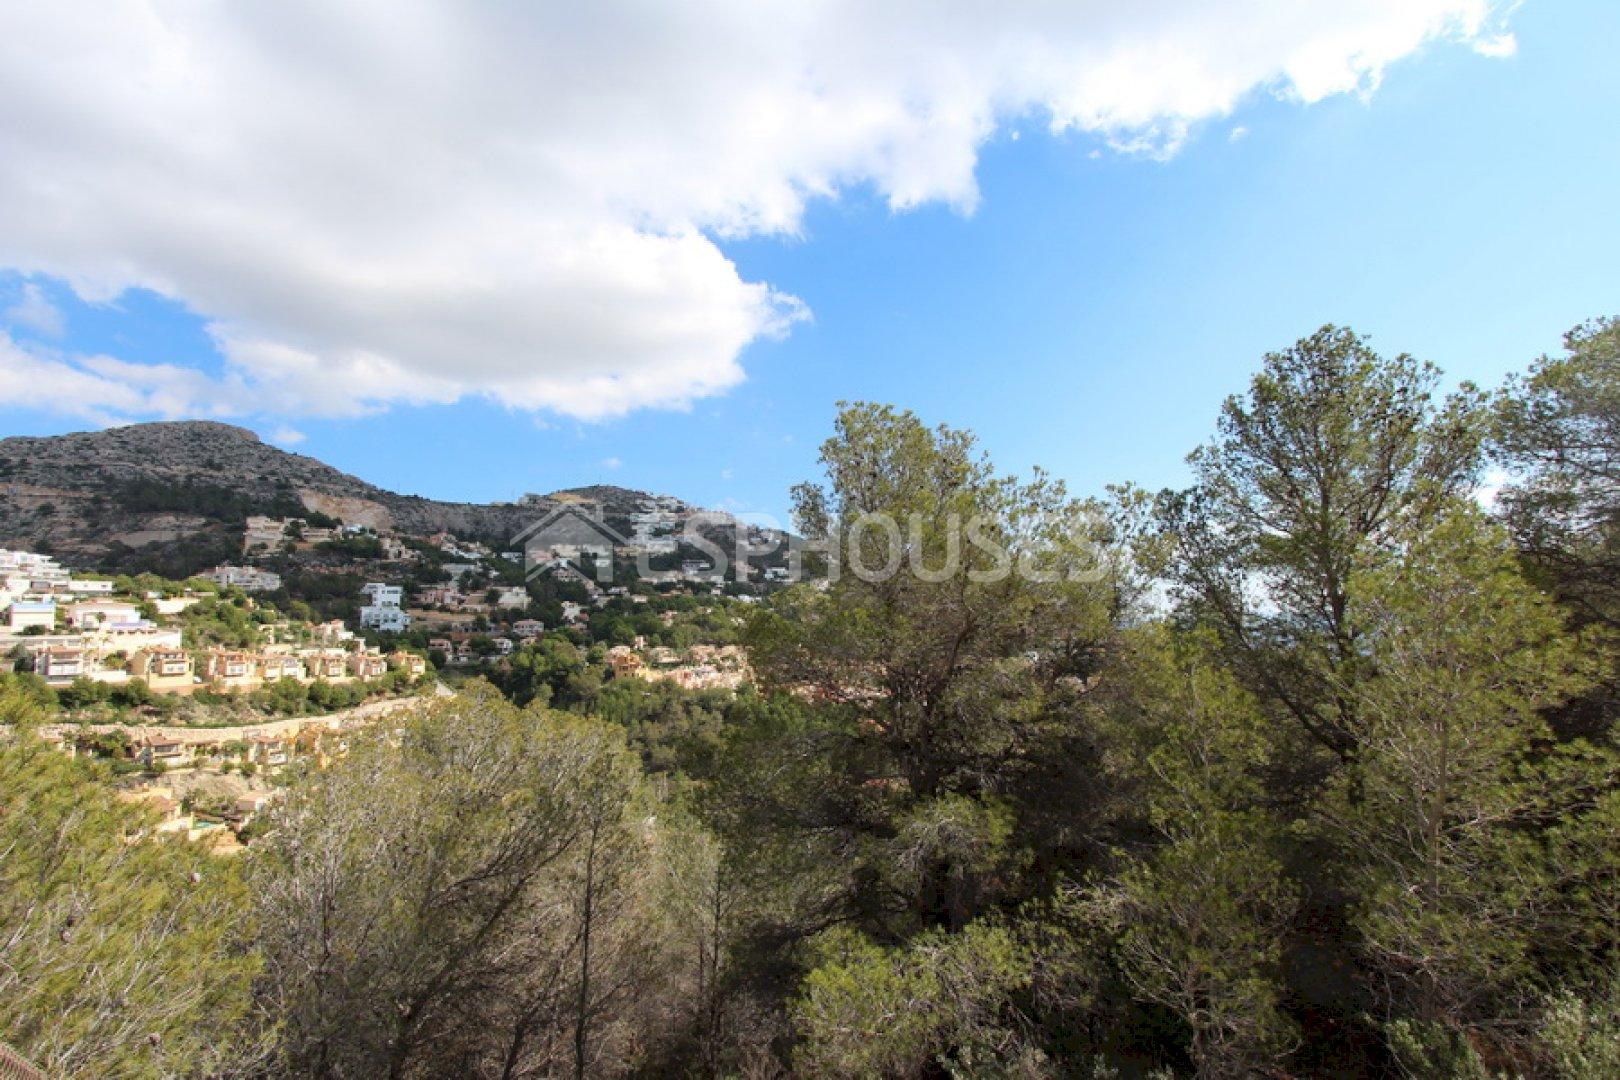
x,y
1087,315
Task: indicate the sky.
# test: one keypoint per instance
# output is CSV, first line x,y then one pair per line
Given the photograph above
x,y
473,250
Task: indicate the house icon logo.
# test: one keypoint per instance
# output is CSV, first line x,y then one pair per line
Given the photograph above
x,y
564,537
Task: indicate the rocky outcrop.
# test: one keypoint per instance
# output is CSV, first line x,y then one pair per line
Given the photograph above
x,y
90,495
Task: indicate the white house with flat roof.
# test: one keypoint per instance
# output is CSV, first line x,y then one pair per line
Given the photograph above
x,y
384,613
246,578
89,614
383,595
25,614
30,565
386,618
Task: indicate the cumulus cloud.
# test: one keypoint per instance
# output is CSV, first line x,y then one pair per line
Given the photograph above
x,y
1497,46
105,390
420,200
34,311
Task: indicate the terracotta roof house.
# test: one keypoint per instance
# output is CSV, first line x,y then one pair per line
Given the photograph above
x,y
167,670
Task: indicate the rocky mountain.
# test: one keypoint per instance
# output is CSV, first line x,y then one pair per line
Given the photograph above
x,y
143,496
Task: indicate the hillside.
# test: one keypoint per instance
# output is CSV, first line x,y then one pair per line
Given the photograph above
x,y
167,495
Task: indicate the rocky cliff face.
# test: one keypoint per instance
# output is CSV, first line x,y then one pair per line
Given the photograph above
x,y
92,497
186,451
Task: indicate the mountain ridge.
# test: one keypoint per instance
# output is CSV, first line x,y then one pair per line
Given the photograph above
x,y
98,495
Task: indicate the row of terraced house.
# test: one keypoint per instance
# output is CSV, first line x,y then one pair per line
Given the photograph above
x,y
178,670
106,639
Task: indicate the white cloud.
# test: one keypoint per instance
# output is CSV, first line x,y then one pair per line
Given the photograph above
x,y
1237,133
611,463
1497,46
419,200
287,436
105,390
34,311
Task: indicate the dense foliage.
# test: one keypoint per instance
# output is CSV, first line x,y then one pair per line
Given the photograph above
x,y
1306,770
120,956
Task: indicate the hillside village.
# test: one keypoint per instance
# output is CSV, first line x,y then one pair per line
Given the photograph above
x,y
204,693
143,651
70,629
254,664
463,601
442,598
